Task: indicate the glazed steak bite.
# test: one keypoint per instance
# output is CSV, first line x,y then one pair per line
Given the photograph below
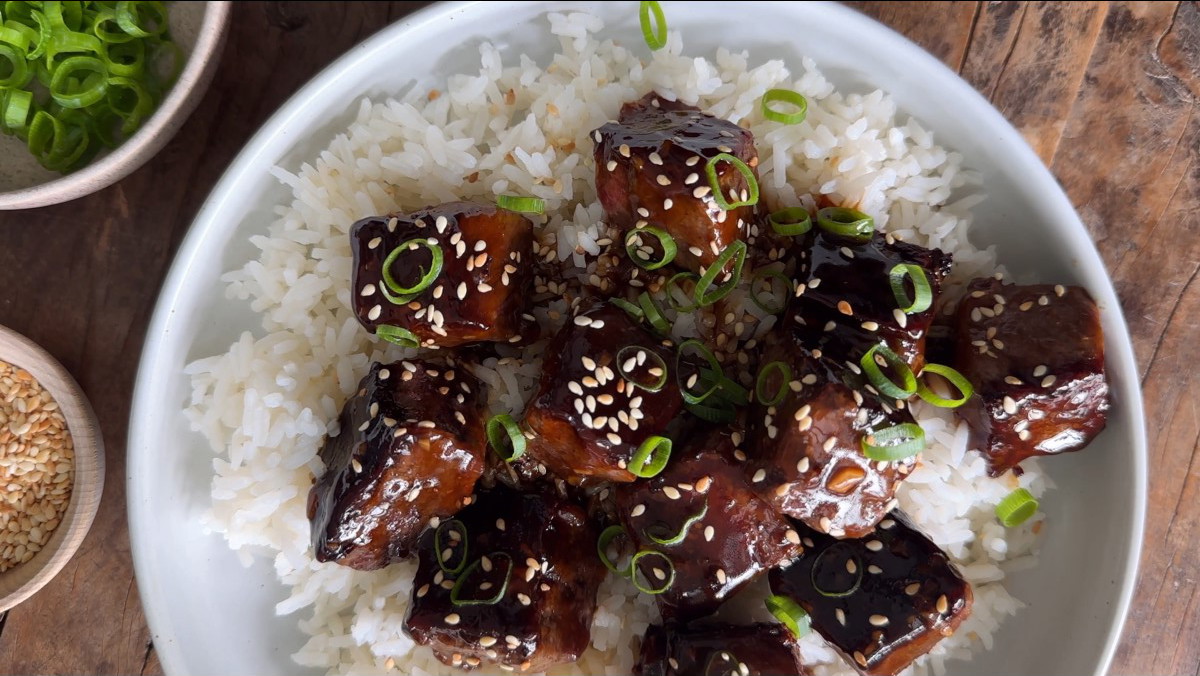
x,y
651,170
1035,355
589,418
478,293
720,650
883,600
846,303
729,534
409,450
511,581
806,454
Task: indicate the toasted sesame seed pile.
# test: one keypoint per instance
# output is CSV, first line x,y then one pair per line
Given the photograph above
x,y
36,466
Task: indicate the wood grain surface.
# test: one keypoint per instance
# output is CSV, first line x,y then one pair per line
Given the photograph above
x,y
1106,93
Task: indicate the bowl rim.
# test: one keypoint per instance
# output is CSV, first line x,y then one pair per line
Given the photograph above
x,y
87,486
147,141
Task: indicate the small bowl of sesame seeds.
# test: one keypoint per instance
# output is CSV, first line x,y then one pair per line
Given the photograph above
x,y
51,467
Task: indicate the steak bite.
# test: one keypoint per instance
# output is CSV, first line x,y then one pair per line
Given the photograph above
x,y
651,170
806,453
883,600
511,580
1035,355
481,291
702,518
409,450
846,303
588,417
720,650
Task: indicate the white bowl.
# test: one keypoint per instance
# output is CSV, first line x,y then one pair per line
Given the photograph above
x,y
210,615
199,29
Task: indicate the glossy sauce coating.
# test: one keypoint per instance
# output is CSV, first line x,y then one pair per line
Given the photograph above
x,y
587,419
889,597
483,290
650,169
1035,355
410,449
534,554
739,537
720,650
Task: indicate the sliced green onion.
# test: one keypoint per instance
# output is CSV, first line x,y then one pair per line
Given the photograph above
x,y
922,294
106,28
1016,508
438,549
397,335
668,578
500,428
832,556
713,365
656,33
683,530
406,294
523,205
956,379
653,314
789,613
714,182
457,589
606,538
791,222
846,222
629,354
719,413
629,308
133,103
633,247
894,443
142,19
884,385
18,74
736,252
16,109
70,91
769,398
126,59
728,391
673,284
785,96
770,305
651,457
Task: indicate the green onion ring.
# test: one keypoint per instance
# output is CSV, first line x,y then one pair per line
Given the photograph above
x,y
16,109
673,283
630,309
653,314
522,205
846,222
713,364
22,40
632,246
884,385
633,566
764,374
606,538
20,73
784,96
791,222
651,457
100,30
728,391
501,427
656,34
126,59
1016,508
71,93
714,182
456,590
143,105
922,293
427,276
755,294
858,572
894,443
437,545
129,18
736,252
397,335
956,379
683,530
789,613
629,353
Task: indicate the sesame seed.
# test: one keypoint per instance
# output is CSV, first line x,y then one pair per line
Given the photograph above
x,y
624,150
874,545
1043,300
668,203
851,567
663,179
1060,290
721,575
709,532
589,381
759,476
655,158
825,524
487,641
870,326
1012,380
844,308
612,165
802,466
374,313
900,317
575,388
637,510
792,536
703,484
356,465
1048,380
805,424
583,321
840,615
858,657
453,619
942,604
691,178
423,591
701,191
874,569
1024,435
672,492
1010,406
878,620
524,599
614,439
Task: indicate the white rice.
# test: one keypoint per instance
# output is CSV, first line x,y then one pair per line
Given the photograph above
x,y
266,404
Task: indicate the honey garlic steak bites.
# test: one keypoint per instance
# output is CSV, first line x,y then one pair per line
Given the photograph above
x,y
720,650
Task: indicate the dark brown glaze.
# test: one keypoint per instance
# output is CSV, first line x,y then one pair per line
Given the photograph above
x,y
720,650
909,595
483,290
409,449
1035,355
806,454
747,538
586,419
846,304
546,548
658,151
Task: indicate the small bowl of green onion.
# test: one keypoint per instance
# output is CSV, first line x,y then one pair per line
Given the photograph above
x,y
89,91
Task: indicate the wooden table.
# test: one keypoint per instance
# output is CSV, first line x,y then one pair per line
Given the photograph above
x,y
1106,93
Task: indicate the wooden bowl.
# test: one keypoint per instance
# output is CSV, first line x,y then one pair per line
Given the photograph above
x,y
19,583
199,28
